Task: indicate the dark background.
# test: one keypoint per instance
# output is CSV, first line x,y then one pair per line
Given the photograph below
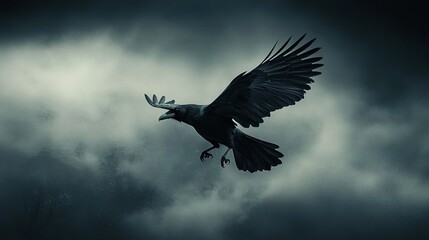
x,y
82,156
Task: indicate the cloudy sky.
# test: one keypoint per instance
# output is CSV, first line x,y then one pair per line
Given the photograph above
x,y
83,156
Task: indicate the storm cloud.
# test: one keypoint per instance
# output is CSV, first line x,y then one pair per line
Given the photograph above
x,y
82,156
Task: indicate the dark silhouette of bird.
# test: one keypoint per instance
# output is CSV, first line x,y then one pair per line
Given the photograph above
x,y
280,80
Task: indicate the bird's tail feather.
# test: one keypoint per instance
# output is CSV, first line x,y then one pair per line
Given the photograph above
x,y
252,154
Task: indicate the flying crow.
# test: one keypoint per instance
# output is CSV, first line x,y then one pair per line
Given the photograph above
x,y
280,80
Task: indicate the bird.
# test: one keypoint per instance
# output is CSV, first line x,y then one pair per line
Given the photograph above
x,y
280,80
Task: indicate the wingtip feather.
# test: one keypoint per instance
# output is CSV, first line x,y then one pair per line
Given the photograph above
x,y
148,99
162,100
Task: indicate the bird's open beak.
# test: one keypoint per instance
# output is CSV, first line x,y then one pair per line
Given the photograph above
x,y
166,115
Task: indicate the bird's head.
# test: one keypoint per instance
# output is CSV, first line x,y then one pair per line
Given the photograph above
x,y
175,111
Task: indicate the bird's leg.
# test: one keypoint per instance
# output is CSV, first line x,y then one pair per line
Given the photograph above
x,y
225,160
205,154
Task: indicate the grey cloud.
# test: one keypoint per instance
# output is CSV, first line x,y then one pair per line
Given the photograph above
x,y
74,125
50,198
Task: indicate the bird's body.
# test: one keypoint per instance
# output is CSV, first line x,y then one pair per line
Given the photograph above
x,y
280,80
214,128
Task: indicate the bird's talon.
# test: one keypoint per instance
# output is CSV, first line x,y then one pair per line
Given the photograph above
x,y
224,161
205,155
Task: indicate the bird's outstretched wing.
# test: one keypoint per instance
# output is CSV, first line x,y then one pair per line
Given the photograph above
x,y
280,80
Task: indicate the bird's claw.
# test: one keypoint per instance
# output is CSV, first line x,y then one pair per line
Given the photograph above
x,y
223,161
205,155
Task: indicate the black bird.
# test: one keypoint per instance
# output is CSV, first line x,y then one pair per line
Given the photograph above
x,y
280,80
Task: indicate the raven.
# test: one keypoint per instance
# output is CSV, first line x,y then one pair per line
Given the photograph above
x,y
280,80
